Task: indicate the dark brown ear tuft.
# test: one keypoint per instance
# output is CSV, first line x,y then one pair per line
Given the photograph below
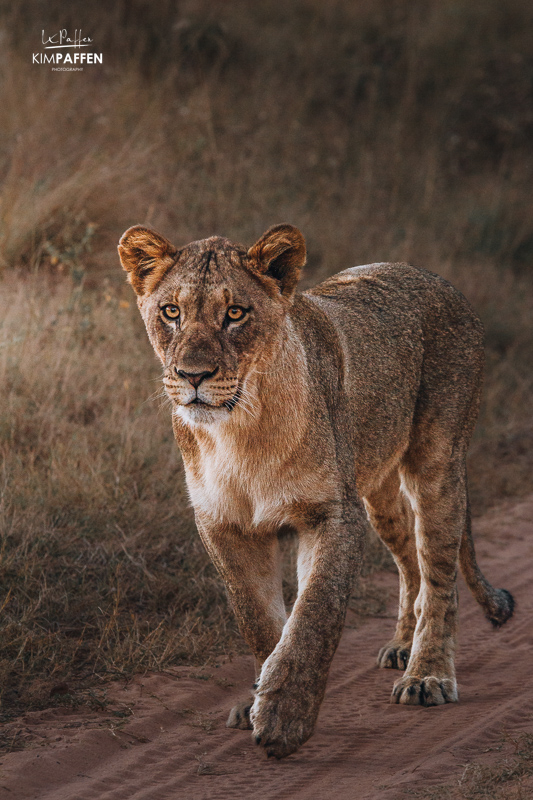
x,y
280,253
146,256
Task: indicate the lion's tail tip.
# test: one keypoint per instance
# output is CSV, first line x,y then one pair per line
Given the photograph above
x,y
501,608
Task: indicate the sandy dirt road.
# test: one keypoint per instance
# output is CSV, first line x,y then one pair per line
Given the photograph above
x,y
175,744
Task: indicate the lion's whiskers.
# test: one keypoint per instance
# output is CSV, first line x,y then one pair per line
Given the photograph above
x,y
248,402
157,395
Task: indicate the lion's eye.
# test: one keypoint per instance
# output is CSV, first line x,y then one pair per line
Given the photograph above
x,y
171,312
235,313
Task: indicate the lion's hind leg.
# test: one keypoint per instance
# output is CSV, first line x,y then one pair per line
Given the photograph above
x,y
438,495
392,517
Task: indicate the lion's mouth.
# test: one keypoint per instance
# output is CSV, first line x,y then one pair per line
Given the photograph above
x,y
229,404
200,403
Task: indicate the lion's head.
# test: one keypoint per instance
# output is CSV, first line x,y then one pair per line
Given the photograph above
x,y
213,312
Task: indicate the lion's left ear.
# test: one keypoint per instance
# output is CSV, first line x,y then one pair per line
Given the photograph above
x,y
280,253
146,256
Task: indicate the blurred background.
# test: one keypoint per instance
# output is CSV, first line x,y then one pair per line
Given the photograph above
x,y
383,129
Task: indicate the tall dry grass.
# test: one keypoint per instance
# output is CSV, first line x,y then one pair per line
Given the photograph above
x,y
385,131
100,569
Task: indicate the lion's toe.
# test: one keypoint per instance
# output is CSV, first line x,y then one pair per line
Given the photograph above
x,y
279,743
428,691
280,726
393,656
239,716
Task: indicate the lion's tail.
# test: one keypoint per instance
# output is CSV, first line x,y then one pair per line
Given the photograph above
x,y
497,604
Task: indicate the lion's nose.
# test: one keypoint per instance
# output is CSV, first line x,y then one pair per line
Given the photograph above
x,y
195,378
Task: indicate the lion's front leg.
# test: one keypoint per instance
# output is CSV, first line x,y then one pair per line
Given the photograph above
x,y
293,678
251,569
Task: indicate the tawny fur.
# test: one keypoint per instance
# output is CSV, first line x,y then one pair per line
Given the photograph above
x,y
316,412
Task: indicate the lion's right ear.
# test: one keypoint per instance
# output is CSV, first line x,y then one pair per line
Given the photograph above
x,y
146,256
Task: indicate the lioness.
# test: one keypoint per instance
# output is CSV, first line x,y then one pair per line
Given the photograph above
x,y
314,412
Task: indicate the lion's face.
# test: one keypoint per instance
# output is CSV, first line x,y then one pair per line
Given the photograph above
x,y
211,324
213,313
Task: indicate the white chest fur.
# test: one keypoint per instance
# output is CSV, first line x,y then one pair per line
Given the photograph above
x,y
252,491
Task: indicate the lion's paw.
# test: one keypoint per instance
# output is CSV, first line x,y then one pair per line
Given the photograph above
x,y
428,691
239,716
280,726
394,656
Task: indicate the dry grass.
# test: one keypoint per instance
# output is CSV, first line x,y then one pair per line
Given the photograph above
x,y
101,567
508,778
383,130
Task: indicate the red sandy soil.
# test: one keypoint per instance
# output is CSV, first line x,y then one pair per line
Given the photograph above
x,y
175,744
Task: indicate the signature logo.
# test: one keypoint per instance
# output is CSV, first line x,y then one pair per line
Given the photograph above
x,y
61,43
62,39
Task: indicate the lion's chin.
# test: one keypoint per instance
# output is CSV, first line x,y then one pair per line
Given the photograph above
x,y
201,414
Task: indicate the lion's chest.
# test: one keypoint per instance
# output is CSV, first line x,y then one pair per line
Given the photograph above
x,y
250,491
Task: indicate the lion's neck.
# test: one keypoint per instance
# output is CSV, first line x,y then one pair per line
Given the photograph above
x,y
272,413
247,468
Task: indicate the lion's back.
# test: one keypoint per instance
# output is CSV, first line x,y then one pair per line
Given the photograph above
x,y
401,334
386,304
